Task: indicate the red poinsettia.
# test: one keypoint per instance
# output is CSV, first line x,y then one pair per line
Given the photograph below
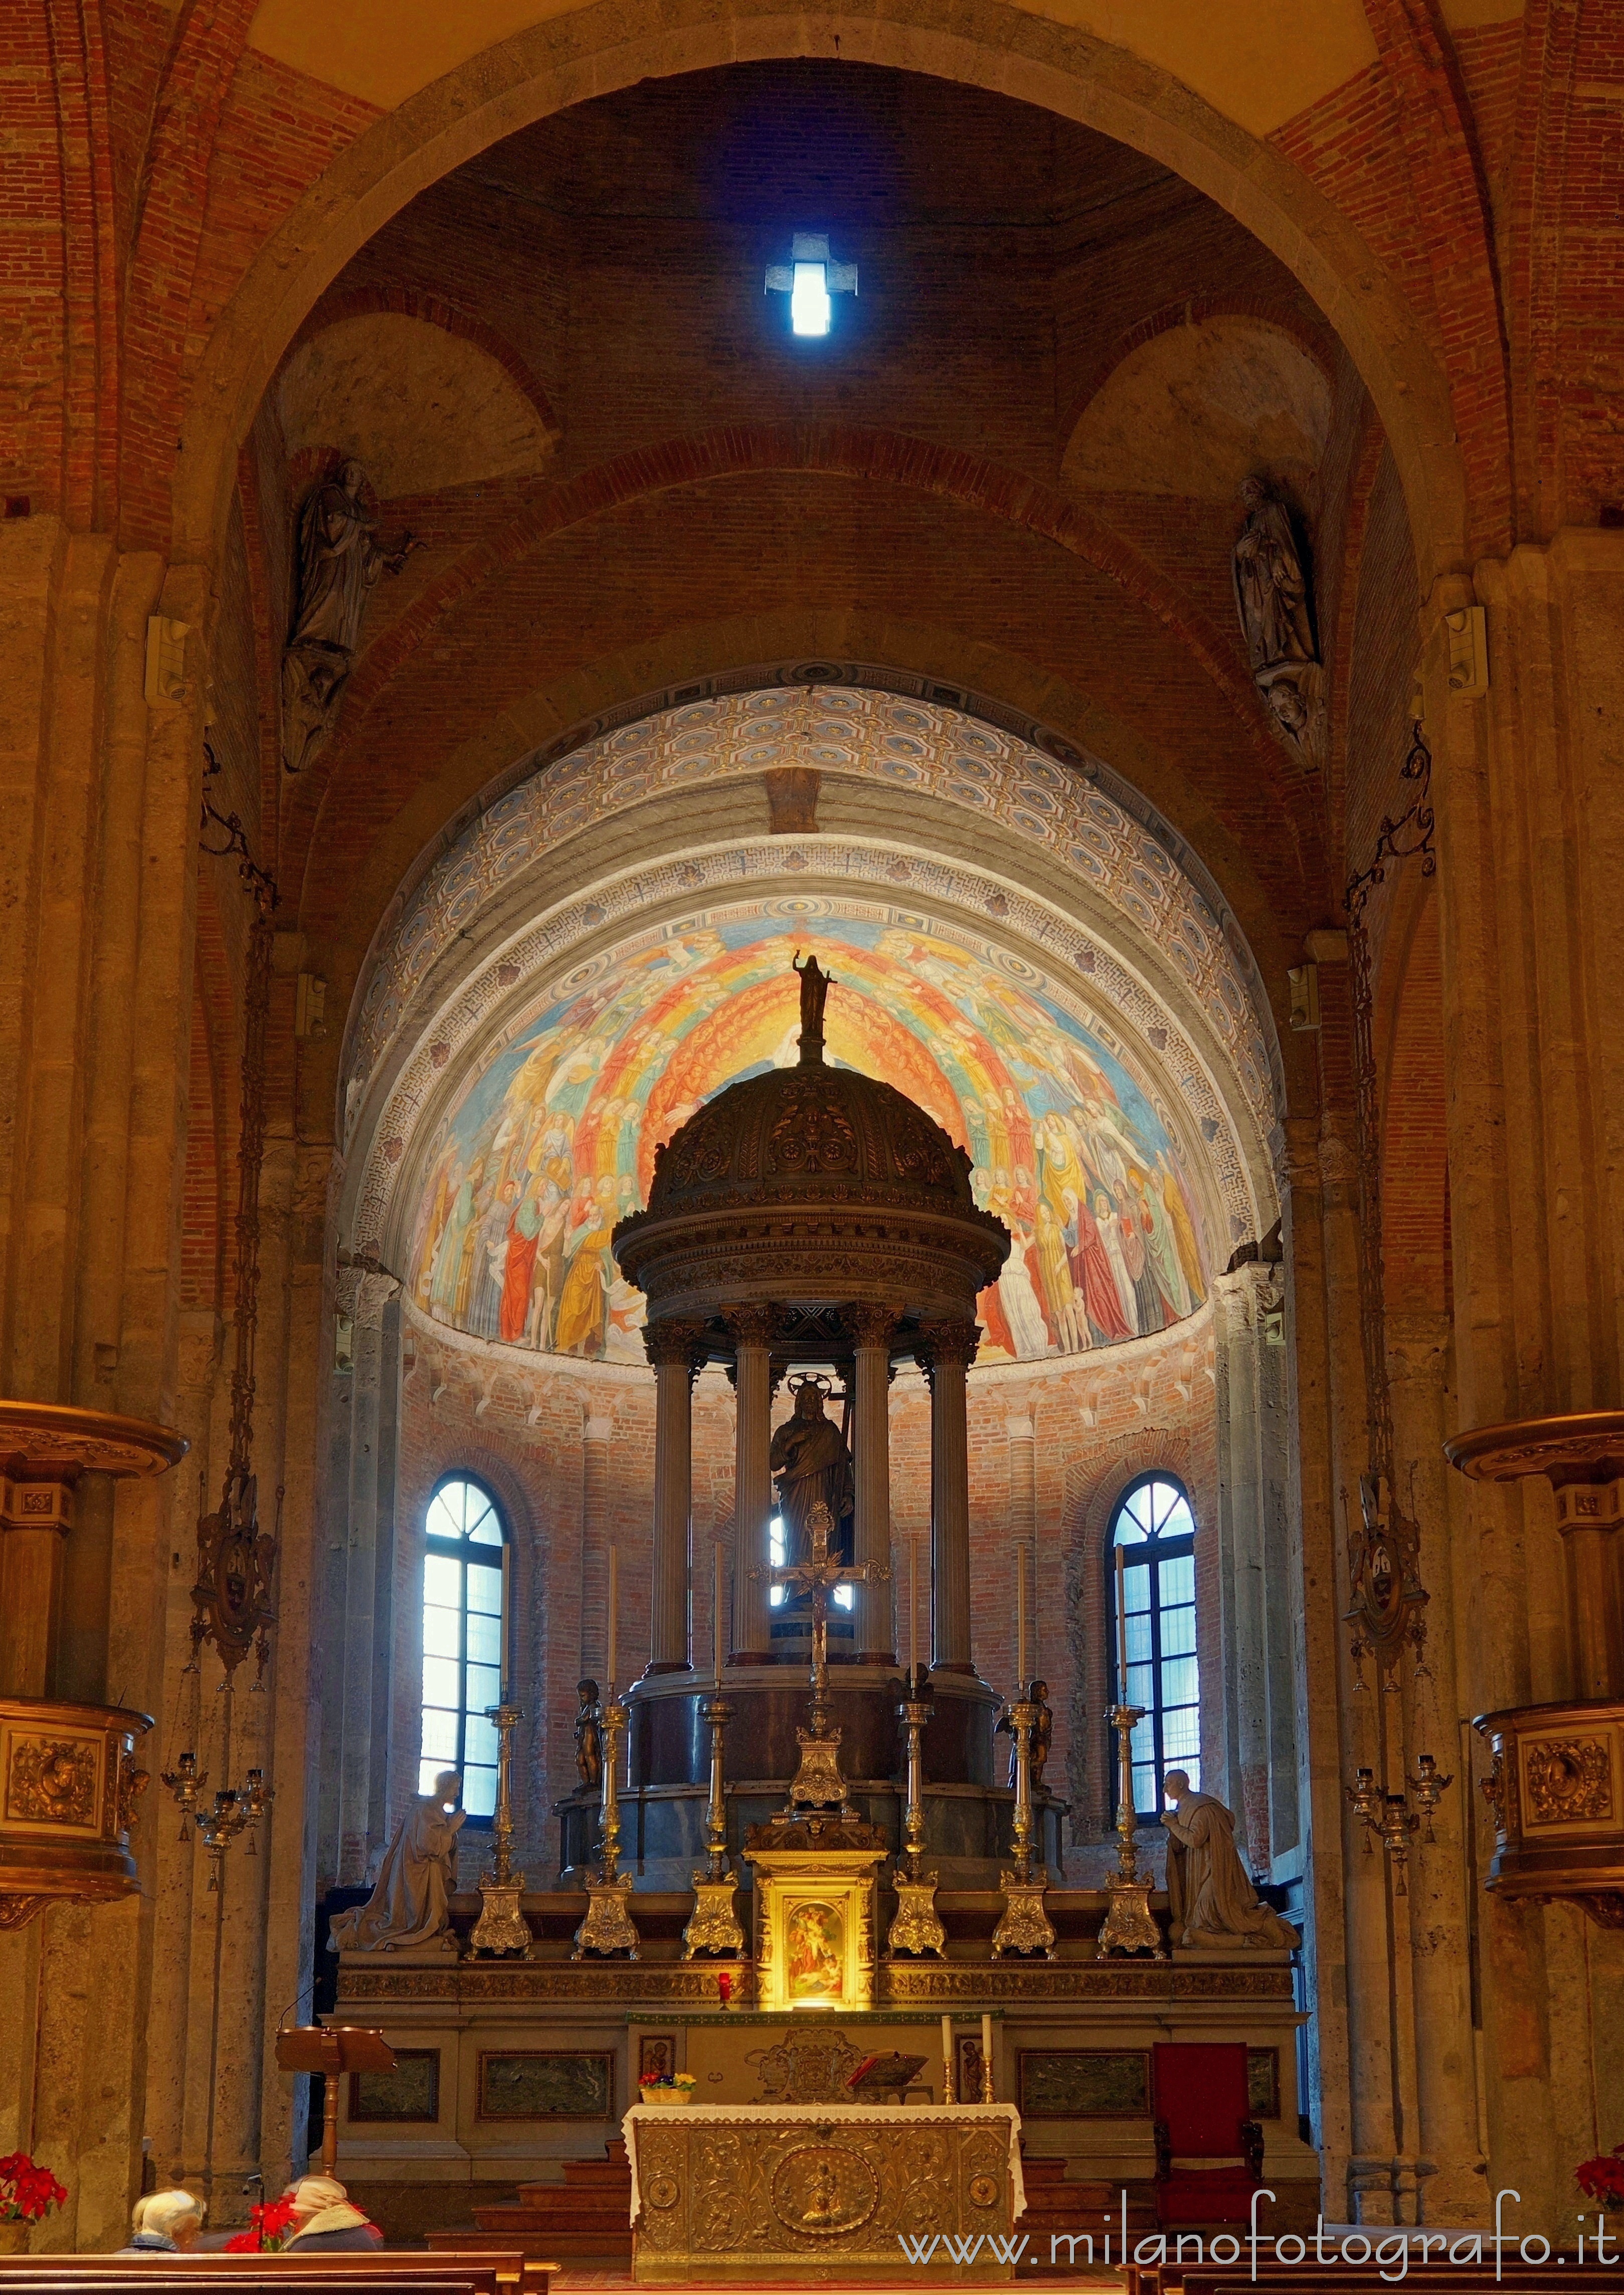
x,y
26,2189
270,2225
1603,2177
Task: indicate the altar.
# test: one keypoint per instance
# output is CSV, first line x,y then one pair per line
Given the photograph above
x,y
734,2193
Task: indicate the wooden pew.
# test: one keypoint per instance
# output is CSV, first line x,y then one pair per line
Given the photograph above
x,y
384,2272
1433,2277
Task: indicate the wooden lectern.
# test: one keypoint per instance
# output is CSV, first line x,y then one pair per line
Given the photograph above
x,y
331,2050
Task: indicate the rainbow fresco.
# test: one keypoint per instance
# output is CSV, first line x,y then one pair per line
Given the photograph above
x,y
552,1142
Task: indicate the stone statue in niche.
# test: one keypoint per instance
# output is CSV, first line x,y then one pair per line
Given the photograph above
x,y
409,1908
339,563
589,1737
1271,597
1211,1901
812,1465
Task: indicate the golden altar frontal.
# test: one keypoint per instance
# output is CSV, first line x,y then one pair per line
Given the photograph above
x,y
823,2191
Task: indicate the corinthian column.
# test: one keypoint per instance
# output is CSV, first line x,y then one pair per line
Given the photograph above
x,y
675,1351
948,1350
872,1530
751,1328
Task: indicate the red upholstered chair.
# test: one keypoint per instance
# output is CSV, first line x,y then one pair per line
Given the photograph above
x,y
1209,2150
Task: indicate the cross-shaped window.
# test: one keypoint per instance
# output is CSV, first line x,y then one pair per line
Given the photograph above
x,y
810,279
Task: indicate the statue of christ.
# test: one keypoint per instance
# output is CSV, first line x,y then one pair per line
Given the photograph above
x,y
812,1465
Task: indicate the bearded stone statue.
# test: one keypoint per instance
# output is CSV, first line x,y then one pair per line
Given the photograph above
x,y
810,1465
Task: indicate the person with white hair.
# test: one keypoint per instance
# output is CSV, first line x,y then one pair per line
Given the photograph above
x,y
325,2222
164,2222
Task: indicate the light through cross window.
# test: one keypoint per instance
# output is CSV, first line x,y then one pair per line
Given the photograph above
x,y
810,279
464,1550
1154,1528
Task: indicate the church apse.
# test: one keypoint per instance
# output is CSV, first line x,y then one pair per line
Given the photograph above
x,y
551,1140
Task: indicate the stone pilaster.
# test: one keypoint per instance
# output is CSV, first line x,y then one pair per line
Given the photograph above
x,y
1238,1336
1452,2184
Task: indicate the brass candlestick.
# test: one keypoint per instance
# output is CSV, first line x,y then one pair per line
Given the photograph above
x,y
501,1926
714,1925
608,1927
1129,1925
1024,1925
917,1926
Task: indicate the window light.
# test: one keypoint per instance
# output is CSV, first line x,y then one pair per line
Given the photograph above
x,y
810,279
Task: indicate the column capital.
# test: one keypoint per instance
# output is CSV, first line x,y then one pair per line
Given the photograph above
x,y
870,1326
676,1342
753,1326
941,1344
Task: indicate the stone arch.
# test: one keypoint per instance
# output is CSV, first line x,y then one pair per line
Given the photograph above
x,y
985,43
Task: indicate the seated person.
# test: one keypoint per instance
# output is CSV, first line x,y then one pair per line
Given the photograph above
x,y
324,2220
164,2222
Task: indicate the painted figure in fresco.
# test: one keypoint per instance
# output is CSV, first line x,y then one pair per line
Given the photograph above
x,y
490,1262
518,1267
1160,1249
1182,1223
584,1302
1054,1259
812,1466
448,1253
1146,1299
1103,1302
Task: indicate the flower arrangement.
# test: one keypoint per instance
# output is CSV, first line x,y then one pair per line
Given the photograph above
x,y
667,2087
27,2190
1603,2177
268,2228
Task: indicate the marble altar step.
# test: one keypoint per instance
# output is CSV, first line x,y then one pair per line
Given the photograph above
x,y
1056,2203
588,2214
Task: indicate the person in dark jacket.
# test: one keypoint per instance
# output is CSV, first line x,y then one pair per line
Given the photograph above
x,y
325,2223
164,2222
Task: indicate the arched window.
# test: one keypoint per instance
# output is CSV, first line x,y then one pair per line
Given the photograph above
x,y
464,1586
1156,1531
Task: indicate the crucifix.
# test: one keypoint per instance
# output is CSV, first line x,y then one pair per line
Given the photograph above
x,y
818,1784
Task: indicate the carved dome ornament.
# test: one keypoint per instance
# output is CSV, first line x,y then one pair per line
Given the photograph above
x,y
811,1186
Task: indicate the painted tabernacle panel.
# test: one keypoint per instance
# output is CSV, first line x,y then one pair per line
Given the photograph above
x,y
552,1141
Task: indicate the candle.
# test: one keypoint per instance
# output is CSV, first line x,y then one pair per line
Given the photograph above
x,y
913,1613
716,1620
986,2059
1122,1631
614,1607
1020,1619
947,2060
